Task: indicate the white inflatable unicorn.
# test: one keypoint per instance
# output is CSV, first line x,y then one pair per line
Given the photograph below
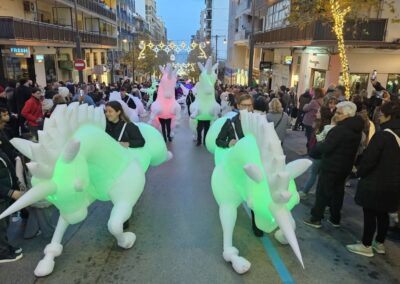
x,y
254,172
76,163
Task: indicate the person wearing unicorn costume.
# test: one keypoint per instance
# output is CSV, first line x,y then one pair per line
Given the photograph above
x,y
253,171
151,90
204,110
166,111
76,163
133,103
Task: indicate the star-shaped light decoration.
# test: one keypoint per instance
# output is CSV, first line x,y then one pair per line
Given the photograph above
x,y
151,45
183,45
193,45
177,49
161,45
167,49
172,45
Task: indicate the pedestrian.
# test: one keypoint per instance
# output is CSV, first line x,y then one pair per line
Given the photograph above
x,y
338,152
303,100
189,100
33,113
310,115
277,116
378,190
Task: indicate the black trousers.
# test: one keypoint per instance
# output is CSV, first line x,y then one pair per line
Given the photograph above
x,y
372,220
165,128
330,192
202,124
4,245
299,120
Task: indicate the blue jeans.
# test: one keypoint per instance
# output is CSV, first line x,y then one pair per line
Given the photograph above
x,y
312,178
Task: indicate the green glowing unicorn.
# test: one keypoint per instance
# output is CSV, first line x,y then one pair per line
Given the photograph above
x,y
254,172
76,163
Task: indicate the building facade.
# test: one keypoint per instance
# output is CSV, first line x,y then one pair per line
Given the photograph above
x,y
286,55
38,39
157,27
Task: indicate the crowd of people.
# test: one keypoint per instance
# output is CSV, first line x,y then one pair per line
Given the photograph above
x,y
356,137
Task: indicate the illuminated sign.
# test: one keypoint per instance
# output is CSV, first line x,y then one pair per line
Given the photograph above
x,y
20,51
39,58
288,60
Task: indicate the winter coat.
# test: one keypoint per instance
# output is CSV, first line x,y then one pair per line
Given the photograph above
x,y
32,111
311,110
303,100
22,95
379,186
8,179
131,133
227,132
283,120
340,146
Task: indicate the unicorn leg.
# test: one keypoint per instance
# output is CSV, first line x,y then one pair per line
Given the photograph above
x,y
52,250
228,214
119,214
124,194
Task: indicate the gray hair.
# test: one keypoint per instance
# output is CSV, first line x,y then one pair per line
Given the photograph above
x,y
348,108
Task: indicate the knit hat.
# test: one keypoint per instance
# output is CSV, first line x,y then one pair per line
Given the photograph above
x,y
63,91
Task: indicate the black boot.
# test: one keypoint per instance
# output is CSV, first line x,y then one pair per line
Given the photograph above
x,y
257,232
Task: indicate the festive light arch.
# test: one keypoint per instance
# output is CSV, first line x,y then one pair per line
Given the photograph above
x,y
172,47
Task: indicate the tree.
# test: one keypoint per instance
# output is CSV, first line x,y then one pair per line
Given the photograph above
x,y
338,12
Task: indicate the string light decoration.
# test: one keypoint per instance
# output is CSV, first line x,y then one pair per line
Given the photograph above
x,y
184,68
172,47
339,15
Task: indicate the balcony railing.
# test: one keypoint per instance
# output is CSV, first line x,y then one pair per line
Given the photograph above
x,y
373,30
18,29
96,8
242,35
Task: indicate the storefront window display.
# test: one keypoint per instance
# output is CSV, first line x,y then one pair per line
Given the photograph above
x,y
15,68
50,68
318,78
393,84
358,82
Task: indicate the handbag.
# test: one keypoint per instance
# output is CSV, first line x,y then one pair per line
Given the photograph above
x,y
122,132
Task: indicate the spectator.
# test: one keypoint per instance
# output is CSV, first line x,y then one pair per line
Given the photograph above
x,y
303,100
22,94
33,112
378,190
310,111
338,152
278,117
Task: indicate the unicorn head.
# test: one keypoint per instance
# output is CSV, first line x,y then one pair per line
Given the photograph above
x,y
167,85
208,77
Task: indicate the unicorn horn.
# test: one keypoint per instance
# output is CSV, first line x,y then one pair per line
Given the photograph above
x,y
34,195
285,222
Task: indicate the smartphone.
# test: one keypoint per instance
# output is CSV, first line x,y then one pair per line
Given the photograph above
x,y
374,74
81,93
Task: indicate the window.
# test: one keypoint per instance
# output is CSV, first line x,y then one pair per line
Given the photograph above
x,y
318,78
358,82
393,84
103,58
95,59
88,63
277,14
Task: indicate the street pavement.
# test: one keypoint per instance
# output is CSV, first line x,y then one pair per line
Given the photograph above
x,y
179,237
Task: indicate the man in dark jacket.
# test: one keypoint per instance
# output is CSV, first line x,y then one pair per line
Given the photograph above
x,y
303,100
22,95
338,153
231,132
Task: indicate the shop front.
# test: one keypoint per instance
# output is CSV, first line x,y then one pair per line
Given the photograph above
x,y
16,62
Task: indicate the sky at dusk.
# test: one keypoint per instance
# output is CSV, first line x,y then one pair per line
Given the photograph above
x,y
181,17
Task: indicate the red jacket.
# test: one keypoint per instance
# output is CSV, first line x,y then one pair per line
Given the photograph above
x,y
32,110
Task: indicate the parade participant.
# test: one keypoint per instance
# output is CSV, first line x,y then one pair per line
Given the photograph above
x,y
205,109
190,98
378,190
121,128
33,113
84,164
165,110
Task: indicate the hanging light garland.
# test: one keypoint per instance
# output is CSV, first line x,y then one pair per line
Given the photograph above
x,y
184,67
172,47
339,15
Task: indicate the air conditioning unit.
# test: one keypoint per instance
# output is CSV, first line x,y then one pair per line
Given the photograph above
x,y
29,6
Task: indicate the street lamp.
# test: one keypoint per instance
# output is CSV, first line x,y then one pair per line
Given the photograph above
x,y
216,44
124,40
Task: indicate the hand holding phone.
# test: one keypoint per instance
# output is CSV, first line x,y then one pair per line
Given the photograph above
x,y
374,74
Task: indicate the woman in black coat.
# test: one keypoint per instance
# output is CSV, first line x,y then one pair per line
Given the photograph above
x,y
120,128
378,190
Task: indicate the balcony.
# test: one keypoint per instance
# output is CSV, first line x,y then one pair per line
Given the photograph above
x,y
18,29
94,7
242,35
317,33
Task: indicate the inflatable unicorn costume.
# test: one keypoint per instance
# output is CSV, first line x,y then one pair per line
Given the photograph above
x,y
254,172
166,106
76,163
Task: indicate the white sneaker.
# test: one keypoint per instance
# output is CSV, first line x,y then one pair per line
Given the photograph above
x,y
378,247
360,249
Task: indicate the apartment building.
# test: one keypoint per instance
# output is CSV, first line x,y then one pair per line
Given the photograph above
x,y
37,38
286,55
156,24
